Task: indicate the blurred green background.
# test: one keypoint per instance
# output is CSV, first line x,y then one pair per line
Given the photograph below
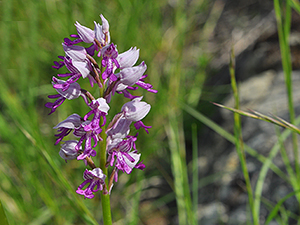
x,y
36,185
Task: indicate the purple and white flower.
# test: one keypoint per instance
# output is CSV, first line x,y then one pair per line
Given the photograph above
x,y
126,158
68,150
116,73
65,91
73,122
95,179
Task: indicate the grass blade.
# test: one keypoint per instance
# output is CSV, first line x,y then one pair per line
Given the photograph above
x,y
265,168
195,173
284,26
239,138
260,116
218,129
275,210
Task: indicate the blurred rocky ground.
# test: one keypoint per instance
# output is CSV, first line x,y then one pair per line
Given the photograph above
x,y
251,27
266,94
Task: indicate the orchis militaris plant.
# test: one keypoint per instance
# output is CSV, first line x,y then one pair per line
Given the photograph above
x,y
119,149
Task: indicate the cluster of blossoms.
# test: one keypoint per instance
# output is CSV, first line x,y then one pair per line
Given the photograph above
x,y
115,74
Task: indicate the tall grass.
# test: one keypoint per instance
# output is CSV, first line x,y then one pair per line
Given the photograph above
x,y
37,187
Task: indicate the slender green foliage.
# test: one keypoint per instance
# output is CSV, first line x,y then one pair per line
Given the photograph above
x,y
239,139
283,18
195,173
174,128
266,166
256,115
275,210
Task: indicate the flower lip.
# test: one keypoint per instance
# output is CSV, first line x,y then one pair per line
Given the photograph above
x,y
95,178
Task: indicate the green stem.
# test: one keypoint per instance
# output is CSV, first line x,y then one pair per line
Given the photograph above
x,y
195,184
239,138
105,197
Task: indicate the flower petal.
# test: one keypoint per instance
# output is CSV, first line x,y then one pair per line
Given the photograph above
x,y
128,58
129,76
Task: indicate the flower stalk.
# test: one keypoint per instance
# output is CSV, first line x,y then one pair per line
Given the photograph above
x,y
105,198
115,74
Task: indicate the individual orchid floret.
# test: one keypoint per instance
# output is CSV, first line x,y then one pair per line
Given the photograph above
x,y
79,60
76,62
68,150
95,180
93,128
86,34
127,77
99,109
88,150
132,111
135,111
126,159
65,91
109,54
77,69
73,122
